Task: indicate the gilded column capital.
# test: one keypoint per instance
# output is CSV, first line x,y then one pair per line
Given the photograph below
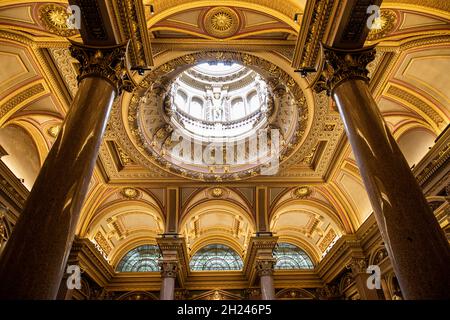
x,y
357,266
103,62
264,267
340,65
169,269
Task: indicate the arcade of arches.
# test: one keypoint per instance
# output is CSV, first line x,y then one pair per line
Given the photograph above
x,y
224,149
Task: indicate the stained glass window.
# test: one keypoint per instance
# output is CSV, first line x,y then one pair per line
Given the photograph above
x,y
216,257
141,259
291,257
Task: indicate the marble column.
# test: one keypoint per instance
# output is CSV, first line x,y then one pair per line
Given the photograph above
x,y
358,267
264,268
169,269
416,245
34,259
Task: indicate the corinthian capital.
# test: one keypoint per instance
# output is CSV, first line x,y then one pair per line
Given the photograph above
x,y
264,267
105,62
169,269
341,65
357,265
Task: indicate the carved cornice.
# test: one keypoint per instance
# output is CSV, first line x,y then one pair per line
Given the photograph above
x,y
259,249
432,170
12,190
341,65
174,249
133,26
107,63
312,32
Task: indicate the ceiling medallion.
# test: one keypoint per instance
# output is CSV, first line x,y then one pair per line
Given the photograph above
x,y
302,192
217,192
221,22
53,131
130,193
54,17
388,21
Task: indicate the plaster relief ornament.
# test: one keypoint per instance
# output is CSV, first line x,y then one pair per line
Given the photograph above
x,y
55,18
302,192
221,22
130,193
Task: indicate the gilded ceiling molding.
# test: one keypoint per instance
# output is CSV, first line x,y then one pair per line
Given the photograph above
x,y
94,199
221,22
203,195
312,33
389,21
411,123
341,198
42,61
130,20
283,10
322,209
35,131
415,102
439,6
25,95
54,18
65,64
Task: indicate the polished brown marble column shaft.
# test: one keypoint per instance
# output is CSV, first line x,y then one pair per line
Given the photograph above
x,y
418,250
34,260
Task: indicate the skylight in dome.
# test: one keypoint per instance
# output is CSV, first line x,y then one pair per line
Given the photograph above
x,y
218,68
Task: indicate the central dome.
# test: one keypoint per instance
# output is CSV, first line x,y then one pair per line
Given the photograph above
x,y
217,116
214,101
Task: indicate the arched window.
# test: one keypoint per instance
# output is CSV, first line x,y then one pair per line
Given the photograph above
x,y
289,256
253,101
181,100
237,109
141,259
216,257
196,108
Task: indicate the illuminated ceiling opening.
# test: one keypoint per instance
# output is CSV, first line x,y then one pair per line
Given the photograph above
x,y
217,100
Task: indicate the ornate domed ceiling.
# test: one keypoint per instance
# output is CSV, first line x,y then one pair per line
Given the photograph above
x,y
223,116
